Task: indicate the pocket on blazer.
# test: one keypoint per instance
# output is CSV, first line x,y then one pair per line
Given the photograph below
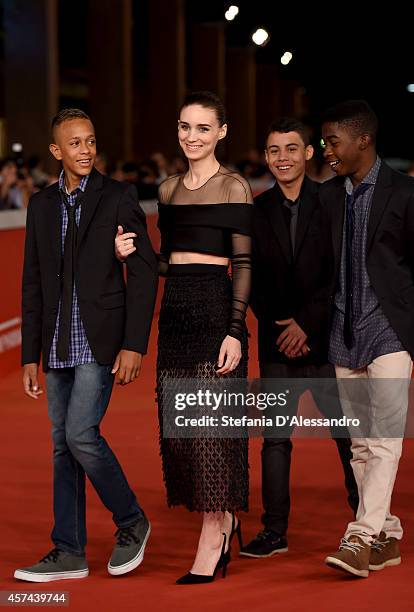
x,y
115,300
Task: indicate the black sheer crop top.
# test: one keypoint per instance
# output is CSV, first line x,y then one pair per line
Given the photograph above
x,y
215,219
202,228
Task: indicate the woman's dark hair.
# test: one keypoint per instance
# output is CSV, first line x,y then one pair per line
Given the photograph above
x,y
206,99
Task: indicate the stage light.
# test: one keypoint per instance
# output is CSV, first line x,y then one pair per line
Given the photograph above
x,y
410,88
286,57
260,37
231,12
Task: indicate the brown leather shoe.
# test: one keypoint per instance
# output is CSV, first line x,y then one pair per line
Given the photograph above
x,y
352,557
384,553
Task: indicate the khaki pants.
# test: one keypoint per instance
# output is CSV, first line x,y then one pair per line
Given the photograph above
x,y
375,459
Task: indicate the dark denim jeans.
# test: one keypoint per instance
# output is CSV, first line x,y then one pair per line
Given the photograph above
x,y
276,452
77,401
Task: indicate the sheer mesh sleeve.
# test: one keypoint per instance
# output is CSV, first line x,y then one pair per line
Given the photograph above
x,y
165,193
163,263
241,263
164,254
241,266
240,191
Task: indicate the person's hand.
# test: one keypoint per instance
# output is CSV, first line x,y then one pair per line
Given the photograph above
x,y
229,356
31,384
303,352
292,338
124,244
127,365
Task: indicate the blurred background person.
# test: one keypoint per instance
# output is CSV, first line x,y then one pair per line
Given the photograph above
x,y
162,164
101,163
10,197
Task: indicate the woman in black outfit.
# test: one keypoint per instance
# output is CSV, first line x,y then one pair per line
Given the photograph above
x,y
204,219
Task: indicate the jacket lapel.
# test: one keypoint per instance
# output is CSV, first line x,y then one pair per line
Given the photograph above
x,y
380,197
90,200
55,215
337,212
274,213
307,207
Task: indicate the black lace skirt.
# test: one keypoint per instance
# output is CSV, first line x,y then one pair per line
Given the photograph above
x,y
203,474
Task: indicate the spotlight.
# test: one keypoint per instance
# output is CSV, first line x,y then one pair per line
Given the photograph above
x,y
17,147
286,57
231,12
260,37
410,88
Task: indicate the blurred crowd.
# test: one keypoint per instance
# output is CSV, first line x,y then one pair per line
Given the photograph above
x,y
20,178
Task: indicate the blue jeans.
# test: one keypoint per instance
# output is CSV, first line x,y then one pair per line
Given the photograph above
x,y
77,401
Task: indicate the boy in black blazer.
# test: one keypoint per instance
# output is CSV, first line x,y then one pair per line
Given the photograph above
x,y
291,278
88,324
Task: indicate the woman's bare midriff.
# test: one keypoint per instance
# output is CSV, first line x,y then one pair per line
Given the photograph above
x,y
178,257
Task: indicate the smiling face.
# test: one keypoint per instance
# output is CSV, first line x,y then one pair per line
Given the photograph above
x,y
75,147
199,131
344,151
286,156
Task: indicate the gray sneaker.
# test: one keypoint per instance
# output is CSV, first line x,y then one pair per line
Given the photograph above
x,y
129,548
56,565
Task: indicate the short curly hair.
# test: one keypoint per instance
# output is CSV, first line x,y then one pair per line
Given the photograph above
x,y
68,114
355,115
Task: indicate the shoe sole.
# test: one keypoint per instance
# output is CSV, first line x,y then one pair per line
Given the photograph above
x,y
388,563
274,552
338,564
33,577
130,565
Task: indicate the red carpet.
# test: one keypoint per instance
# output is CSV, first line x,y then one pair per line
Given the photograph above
x,y
292,581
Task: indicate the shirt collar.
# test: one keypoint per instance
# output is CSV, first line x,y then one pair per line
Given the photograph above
x,y
82,184
369,179
286,200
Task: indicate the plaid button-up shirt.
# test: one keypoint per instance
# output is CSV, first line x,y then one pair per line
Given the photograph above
x,y
373,334
79,349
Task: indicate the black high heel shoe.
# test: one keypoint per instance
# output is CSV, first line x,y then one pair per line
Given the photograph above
x,y
222,563
235,530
